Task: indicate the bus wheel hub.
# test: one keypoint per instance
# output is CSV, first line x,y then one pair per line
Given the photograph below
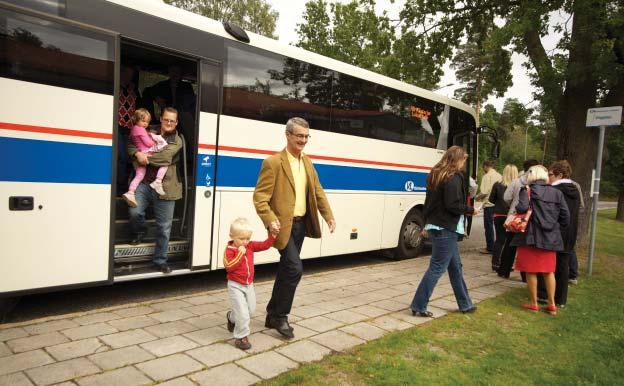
x,y
411,235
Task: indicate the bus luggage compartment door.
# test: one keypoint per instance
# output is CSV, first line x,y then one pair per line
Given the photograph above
x,y
56,146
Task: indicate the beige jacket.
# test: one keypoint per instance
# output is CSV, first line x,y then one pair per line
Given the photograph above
x,y
274,197
487,182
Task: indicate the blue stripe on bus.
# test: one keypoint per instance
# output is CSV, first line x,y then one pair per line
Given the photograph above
x,y
28,160
243,172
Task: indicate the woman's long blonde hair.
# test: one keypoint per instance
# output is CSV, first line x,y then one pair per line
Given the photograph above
x,y
510,173
450,164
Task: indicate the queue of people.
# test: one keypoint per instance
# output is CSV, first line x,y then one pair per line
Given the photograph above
x,y
543,253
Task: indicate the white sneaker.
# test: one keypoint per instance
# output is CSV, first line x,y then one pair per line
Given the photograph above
x,y
157,186
129,198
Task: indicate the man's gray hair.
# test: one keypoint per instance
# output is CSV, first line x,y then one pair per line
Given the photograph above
x,y
296,121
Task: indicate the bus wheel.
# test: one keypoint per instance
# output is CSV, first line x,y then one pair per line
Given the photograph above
x,y
410,239
6,306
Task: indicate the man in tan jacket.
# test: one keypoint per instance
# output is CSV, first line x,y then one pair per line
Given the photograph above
x,y
288,198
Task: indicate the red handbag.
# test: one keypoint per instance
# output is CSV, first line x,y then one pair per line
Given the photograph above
x,y
518,222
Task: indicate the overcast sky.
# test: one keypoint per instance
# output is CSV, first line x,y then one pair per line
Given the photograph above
x,y
291,13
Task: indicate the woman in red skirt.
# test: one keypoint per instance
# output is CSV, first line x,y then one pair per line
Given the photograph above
x,y
537,247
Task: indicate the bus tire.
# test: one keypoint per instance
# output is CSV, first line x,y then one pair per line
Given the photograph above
x,y
410,239
6,306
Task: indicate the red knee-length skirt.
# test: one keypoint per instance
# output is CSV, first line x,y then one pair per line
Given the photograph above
x,y
531,259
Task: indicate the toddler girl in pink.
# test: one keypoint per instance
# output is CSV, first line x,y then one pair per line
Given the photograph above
x,y
145,142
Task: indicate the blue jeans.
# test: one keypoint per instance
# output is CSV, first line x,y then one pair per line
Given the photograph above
x,y
163,214
444,256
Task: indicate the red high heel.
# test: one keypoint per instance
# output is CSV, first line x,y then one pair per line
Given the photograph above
x,y
530,307
550,309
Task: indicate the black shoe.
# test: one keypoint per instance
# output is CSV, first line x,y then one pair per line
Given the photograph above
x,y
230,325
281,325
138,239
423,314
164,268
470,310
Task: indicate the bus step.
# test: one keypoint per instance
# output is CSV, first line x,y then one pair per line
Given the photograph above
x,y
146,267
123,233
176,247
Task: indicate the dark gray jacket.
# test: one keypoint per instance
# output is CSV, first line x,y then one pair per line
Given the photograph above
x,y
550,214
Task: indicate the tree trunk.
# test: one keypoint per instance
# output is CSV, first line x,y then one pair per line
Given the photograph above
x,y
619,214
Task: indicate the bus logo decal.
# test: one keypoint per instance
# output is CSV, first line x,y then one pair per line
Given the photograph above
x,y
409,186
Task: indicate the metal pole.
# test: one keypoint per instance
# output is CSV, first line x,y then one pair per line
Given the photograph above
x,y
526,140
596,192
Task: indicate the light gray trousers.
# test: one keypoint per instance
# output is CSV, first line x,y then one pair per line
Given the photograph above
x,y
243,300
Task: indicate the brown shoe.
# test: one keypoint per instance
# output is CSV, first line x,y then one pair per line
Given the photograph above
x,y
230,324
242,344
484,251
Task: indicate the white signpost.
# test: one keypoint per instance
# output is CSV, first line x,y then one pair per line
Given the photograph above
x,y
599,117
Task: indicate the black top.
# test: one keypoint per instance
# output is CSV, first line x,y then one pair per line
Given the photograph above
x,y
496,198
550,214
445,205
573,200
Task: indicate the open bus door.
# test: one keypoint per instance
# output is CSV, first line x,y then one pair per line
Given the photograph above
x,y
57,92
468,141
206,165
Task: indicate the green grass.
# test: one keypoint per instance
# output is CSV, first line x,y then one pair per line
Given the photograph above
x,y
502,344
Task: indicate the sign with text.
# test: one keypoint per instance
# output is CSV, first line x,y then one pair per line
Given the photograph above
x,y
604,116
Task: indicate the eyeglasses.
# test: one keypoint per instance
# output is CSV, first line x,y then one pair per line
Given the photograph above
x,y
169,121
301,136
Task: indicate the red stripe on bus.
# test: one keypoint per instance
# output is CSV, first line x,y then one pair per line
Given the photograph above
x,y
317,157
52,130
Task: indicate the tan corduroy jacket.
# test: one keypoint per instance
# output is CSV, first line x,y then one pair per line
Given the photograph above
x,y
274,197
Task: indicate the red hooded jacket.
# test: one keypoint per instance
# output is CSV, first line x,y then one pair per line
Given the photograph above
x,y
240,267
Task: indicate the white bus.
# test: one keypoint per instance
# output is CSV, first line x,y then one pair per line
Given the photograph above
x,y
374,139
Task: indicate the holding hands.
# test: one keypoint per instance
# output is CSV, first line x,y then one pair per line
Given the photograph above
x,y
274,228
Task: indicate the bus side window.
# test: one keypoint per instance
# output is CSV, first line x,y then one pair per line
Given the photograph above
x,y
42,51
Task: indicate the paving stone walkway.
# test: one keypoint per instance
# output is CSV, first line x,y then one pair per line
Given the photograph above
x,y
184,341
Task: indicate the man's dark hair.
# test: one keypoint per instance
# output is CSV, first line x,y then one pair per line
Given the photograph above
x,y
528,163
169,110
488,164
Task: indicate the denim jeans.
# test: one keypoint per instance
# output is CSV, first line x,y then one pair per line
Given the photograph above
x,y
444,256
488,225
163,214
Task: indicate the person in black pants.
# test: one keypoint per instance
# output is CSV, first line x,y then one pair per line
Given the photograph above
x,y
559,177
501,208
288,198
512,195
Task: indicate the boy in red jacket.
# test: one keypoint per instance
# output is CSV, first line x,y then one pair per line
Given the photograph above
x,y
238,260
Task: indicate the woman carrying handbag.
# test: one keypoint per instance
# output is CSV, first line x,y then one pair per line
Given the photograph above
x,y
538,244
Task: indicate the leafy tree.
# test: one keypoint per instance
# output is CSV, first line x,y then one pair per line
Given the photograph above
x,y
613,177
585,69
484,68
252,15
355,34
